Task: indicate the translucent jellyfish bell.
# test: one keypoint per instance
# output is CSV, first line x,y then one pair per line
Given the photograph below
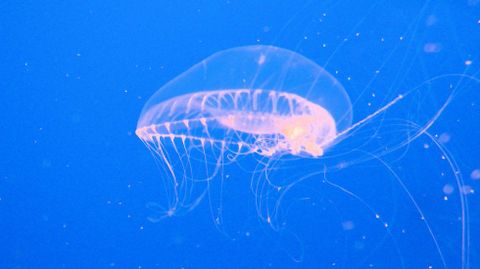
x,y
261,99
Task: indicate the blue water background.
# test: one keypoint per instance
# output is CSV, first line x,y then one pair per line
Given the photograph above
x,y
75,180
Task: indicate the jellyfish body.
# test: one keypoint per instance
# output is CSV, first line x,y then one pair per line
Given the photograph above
x,y
266,122
259,100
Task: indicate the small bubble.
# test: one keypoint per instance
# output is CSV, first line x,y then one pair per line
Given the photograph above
x,y
467,189
444,138
475,174
432,48
448,189
348,225
431,20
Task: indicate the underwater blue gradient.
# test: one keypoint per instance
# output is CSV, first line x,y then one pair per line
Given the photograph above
x,y
75,181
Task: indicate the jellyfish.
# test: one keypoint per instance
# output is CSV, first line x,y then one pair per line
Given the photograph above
x,y
250,100
265,110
